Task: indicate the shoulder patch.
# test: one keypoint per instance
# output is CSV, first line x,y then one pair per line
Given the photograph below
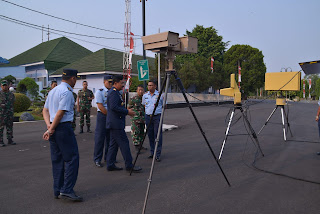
x,y
101,89
114,89
69,89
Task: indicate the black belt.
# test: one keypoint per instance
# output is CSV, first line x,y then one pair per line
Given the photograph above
x,y
63,122
153,115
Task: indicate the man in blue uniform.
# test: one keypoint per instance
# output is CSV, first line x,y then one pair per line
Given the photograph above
x,y
102,135
58,115
149,100
116,123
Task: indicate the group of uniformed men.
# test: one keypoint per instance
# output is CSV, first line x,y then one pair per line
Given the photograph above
x,y
58,113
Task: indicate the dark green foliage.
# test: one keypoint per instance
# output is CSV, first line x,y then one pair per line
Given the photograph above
x,y
197,66
22,102
253,68
28,85
10,79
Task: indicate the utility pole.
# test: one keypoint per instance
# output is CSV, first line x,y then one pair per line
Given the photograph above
x,y
48,33
144,33
42,33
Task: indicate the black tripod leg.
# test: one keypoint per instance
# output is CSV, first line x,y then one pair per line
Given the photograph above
x,y
157,142
253,133
268,119
178,80
287,120
145,134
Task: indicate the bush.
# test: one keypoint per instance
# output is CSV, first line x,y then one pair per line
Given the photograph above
x,y
22,102
28,85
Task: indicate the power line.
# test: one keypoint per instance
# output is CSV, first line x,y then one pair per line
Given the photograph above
x,y
64,19
77,34
37,28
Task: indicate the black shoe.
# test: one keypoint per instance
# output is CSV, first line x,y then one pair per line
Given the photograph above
x,y
114,168
158,159
135,169
150,156
71,197
98,164
88,130
318,153
10,142
56,197
81,130
2,145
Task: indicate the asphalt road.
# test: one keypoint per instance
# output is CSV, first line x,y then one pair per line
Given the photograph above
x,y
187,180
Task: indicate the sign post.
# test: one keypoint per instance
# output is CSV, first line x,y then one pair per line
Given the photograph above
x,y
143,70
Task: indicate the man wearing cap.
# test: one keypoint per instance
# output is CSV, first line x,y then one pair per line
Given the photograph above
x,y
102,135
116,123
58,115
7,99
85,97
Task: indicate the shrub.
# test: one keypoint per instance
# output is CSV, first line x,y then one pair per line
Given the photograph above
x,y
28,85
22,102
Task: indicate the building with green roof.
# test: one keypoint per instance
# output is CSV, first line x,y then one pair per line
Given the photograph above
x,y
42,60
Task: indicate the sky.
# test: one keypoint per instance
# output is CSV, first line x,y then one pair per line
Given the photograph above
x,y
286,31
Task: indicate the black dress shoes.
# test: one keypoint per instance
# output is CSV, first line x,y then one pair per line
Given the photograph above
x,y
158,159
318,153
10,142
99,164
134,169
114,168
71,197
150,156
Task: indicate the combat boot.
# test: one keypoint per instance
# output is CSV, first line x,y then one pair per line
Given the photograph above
x,y
2,144
88,129
81,130
10,142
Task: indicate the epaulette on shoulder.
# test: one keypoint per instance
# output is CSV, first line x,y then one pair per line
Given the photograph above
x,y
101,89
69,89
114,89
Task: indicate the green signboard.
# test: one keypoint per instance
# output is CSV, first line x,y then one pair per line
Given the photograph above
x,y
143,70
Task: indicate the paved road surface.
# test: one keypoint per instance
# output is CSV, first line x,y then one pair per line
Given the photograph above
x,y
187,180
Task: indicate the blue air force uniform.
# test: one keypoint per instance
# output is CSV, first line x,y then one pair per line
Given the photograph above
x,y
149,101
102,135
63,144
116,123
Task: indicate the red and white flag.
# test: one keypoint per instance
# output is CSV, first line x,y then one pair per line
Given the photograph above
x,y
304,89
309,88
239,75
127,86
212,60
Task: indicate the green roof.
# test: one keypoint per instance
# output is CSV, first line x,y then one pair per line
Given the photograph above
x,y
103,60
55,54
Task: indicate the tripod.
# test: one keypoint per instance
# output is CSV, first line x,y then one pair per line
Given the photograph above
x,y
280,103
252,132
166,84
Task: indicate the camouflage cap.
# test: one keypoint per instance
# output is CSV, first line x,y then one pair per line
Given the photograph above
x,y
4,82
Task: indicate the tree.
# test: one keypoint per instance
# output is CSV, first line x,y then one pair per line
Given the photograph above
x,y
210,44
28,85
10,79
253,68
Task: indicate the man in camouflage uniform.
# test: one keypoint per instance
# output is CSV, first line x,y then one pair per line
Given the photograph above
x,y
138,120
85,96
74,112
7,99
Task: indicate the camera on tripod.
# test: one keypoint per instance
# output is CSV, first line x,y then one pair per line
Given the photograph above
x,y
170,42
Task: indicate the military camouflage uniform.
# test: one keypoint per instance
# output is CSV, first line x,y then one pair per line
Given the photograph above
x,y
138,120
85,106
74,112
6,114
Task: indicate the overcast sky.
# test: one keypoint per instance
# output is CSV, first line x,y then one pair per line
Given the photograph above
x,y
286,31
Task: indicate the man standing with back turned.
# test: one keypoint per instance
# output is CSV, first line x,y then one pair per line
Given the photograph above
x,y
58,115
116,123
